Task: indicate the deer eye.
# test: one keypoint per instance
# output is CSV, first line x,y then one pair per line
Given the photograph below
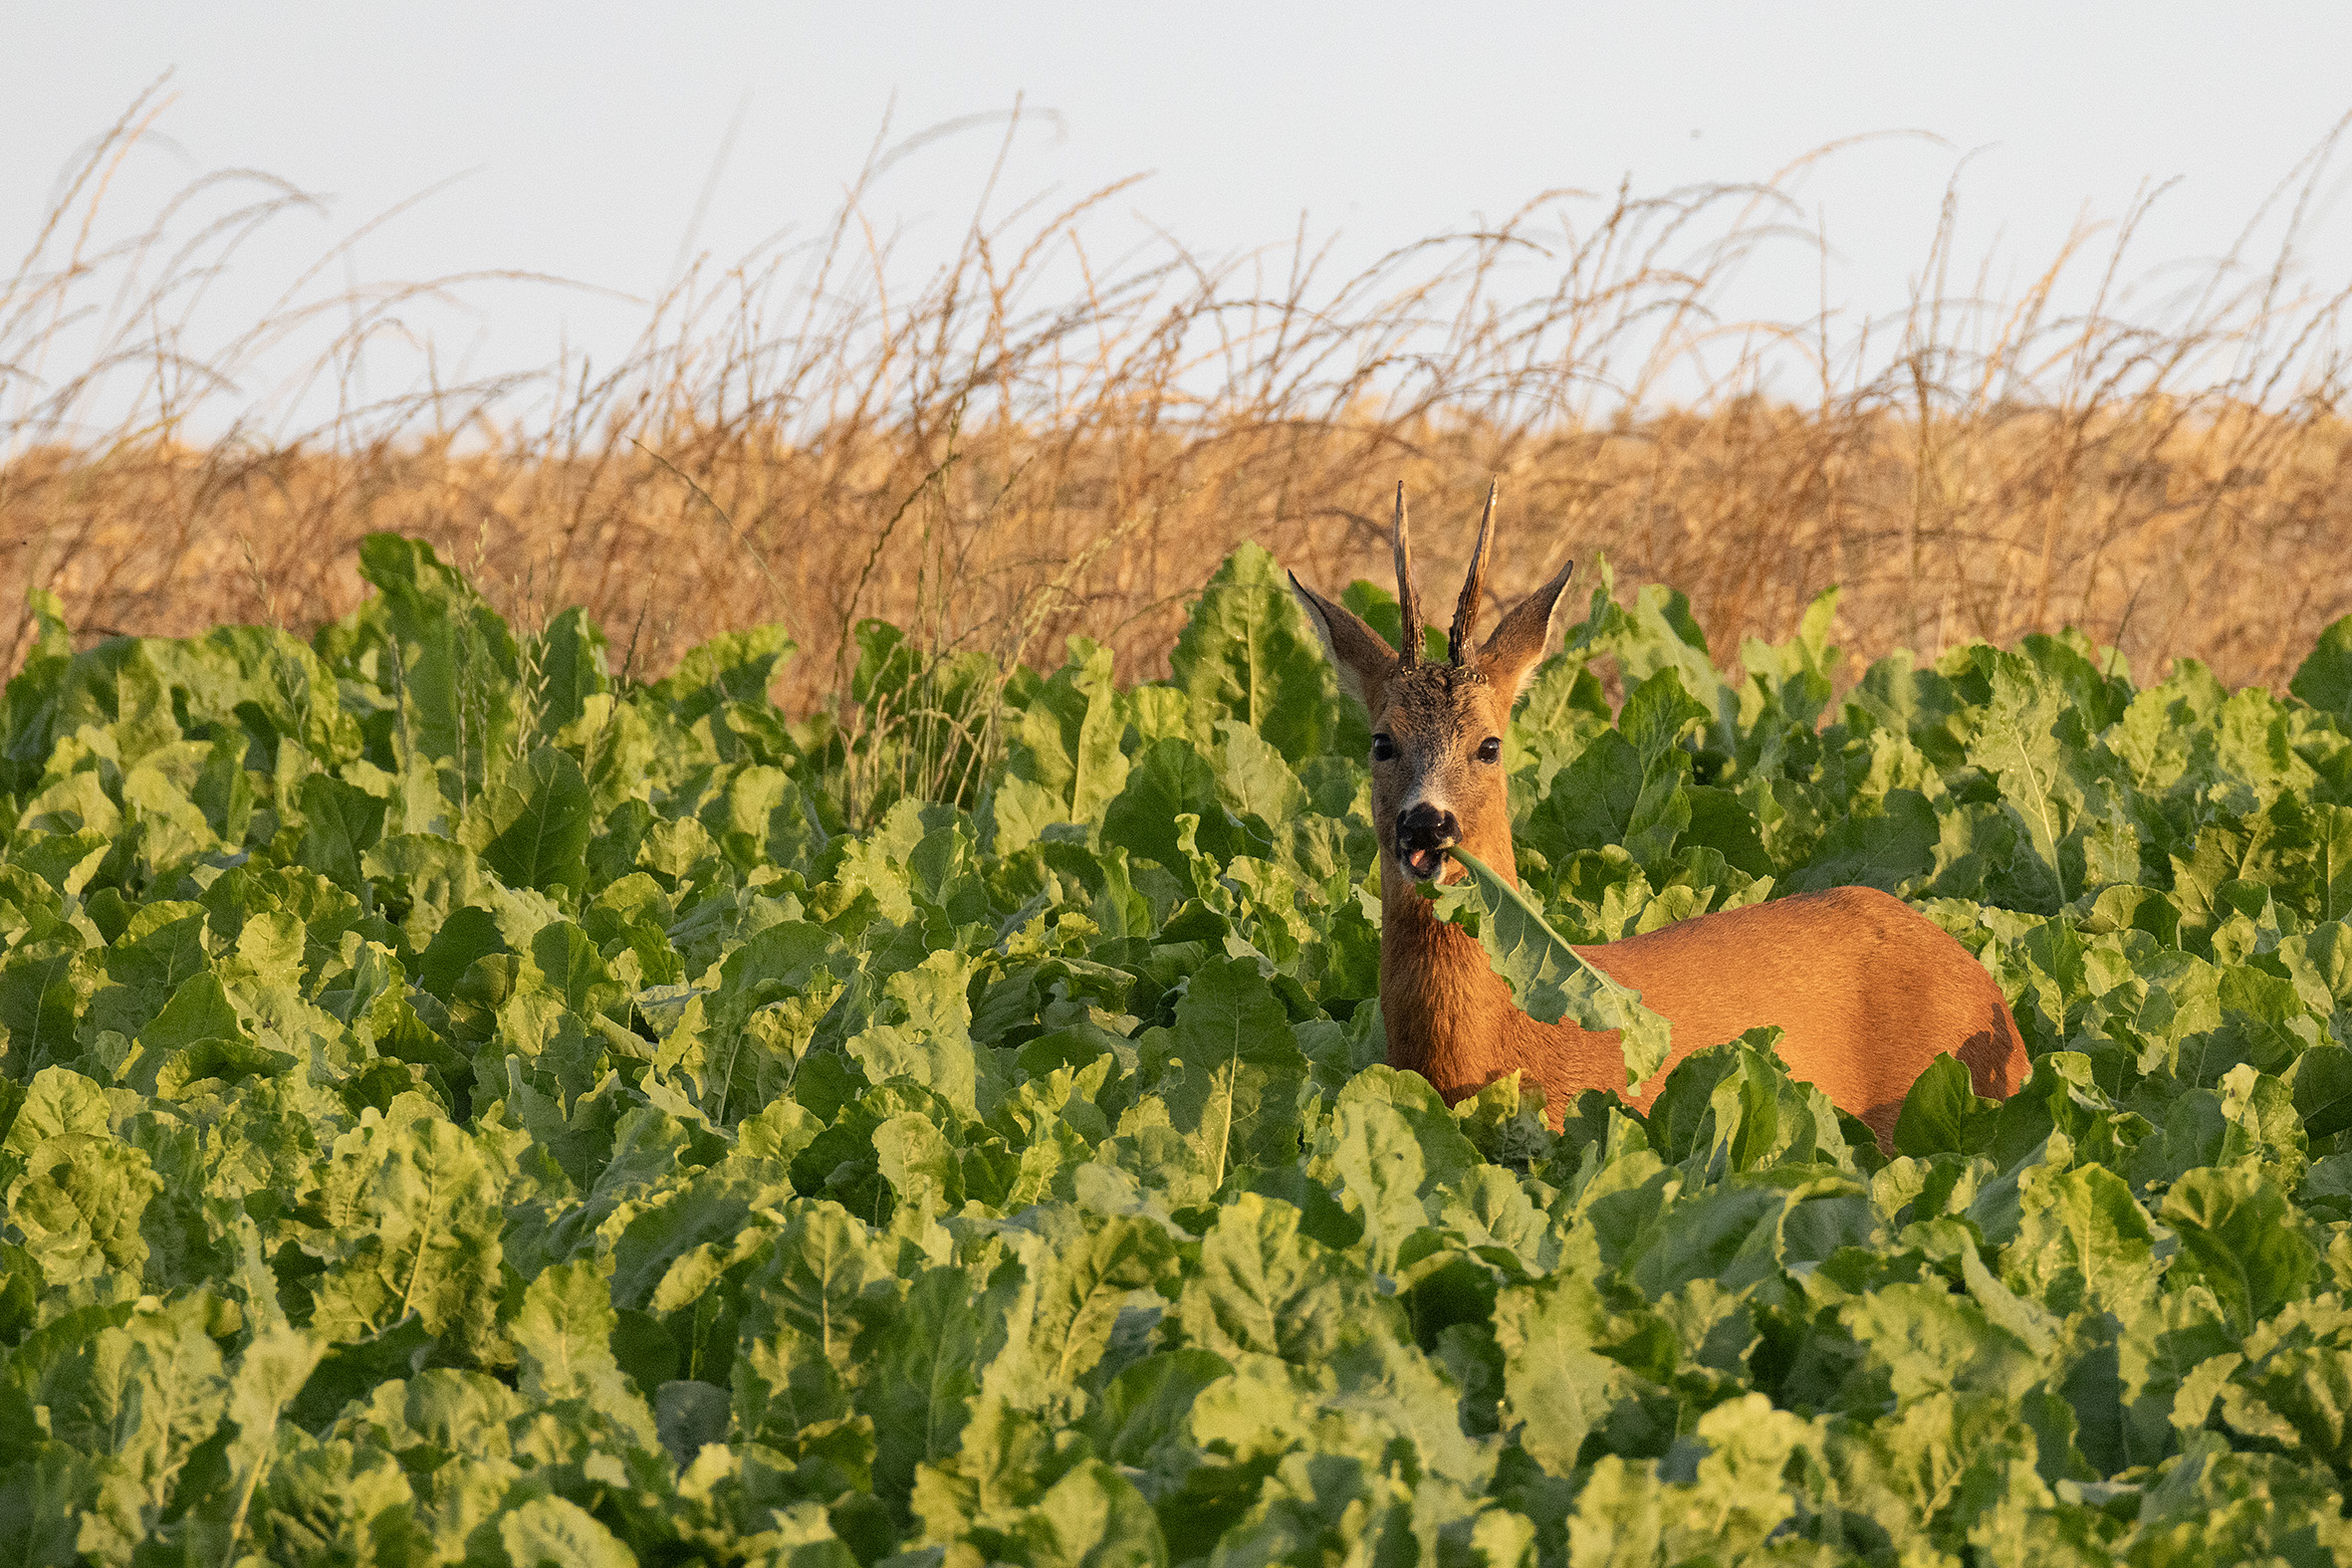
x,y
1490,750
1383,749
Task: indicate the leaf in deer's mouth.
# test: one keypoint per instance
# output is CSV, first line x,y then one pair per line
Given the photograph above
x,y
1549,980
1422,864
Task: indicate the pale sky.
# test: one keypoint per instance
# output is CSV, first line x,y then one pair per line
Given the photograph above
x,y
578,139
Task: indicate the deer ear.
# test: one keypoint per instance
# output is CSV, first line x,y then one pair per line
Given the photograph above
x,y
1516,647
1361,656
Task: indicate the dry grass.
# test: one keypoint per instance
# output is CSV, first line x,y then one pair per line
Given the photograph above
x,y
1035,441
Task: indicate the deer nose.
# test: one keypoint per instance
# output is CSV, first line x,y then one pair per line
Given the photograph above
x,y
1424,826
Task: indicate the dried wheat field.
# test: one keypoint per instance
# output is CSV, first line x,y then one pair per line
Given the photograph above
x,y
1029,442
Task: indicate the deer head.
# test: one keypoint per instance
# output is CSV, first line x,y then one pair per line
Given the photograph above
x,y
1437,728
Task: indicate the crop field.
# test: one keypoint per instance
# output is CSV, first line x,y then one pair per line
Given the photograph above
x,y
1044,431
459,1104
766,952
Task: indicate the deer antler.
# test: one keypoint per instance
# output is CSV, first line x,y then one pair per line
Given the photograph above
x,y
1474,587
1408,600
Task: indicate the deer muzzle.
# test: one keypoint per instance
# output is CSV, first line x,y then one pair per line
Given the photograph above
x,y
1424,833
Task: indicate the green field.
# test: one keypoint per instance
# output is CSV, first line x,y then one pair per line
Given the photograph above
x,y
458,1107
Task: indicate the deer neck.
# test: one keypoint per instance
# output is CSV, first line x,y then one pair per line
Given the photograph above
x,y
1448,1014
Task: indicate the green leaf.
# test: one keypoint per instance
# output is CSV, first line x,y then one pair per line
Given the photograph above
x,y
1169,779
735,666
57,1101
1591,802
1235,1070
927,1033
1142,1418
571,658
276,1363
1093,1517
1247,654
2330,852
2216,1507
1629,786
79,1206
412,1225
551,1532
1262,1288
437,876
564,1337
199,1010
919,1367
1079,1275
2322,1087
1733,1107
442,654
826,1268
1941,1113
1745,1228
532,828
1390,1148
1660,635
2239,1238
1889,849
42,990
341,823
715,1210
1559,1385
920,1165
1067,740
2016,744
1549,980
141,1398
2082,1242
1736,1496
2324,679
1256,782
1924,1340
2310,1389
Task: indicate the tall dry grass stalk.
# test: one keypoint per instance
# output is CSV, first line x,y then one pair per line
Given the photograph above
x,y
1033,440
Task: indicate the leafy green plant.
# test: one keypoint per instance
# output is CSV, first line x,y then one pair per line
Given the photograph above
x,y
443,1121
1548,978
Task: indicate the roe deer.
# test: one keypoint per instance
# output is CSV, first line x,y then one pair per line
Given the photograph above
x,y
1866,990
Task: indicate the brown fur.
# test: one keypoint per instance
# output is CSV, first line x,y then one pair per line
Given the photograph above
x,y
1866,990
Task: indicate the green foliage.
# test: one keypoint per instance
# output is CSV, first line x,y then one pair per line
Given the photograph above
x,y
458,1107
1549,980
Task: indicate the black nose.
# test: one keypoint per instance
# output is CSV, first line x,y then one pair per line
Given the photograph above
x,y
1427,828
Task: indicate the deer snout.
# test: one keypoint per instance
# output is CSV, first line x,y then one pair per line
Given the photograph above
x,y
1424,833
1425,826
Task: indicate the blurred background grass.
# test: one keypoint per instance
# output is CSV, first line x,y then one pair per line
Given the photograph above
x,y
1032,441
